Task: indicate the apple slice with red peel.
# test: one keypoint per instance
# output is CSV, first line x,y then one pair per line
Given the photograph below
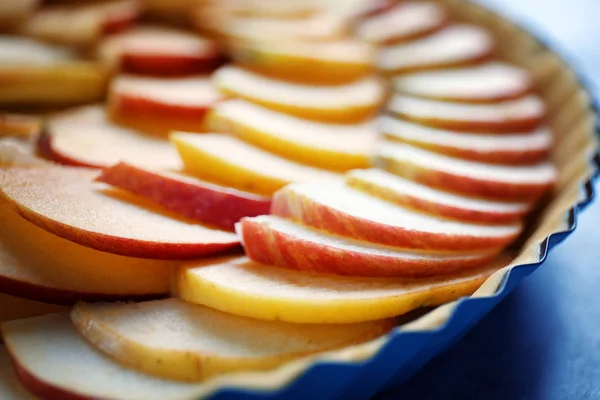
x,y
41,266
242,287
12,307
10,388
67,202
273,240
520,115
344,103
84,137
405,21
156,50
504,148
206,202
414,195
178,340
494,81
228,161
160,105
332,146
354,214
453,46
467,177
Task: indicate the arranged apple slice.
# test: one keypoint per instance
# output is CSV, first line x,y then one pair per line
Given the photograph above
x,y
405,21
228,161
505,148
489,82
10,388
408,193
276,241
53,361
158,50
65,201
347,212
160,105
349,102
242,287
41,266
467,177
326,145
520,115
19,125
84,137
183,341
453,46
17,307
206,202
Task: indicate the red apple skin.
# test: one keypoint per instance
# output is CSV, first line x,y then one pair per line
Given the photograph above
x,y
268,246
46,150
163,65
208,203
292,206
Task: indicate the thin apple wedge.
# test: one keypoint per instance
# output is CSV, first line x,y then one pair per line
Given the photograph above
x,y
342,210
10,388
410,194
405,21
242,287
494,81
503,148
273,240
19,125
471,178
206,202
67,202
41,266
85,137
53,361
160,105
331,146
453,46
12,307
228,161
157,50
344,103
520,115
190,342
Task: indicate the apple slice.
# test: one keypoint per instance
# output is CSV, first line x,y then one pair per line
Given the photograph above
x,y
19,125
242,287
414,195
53,361
10,388
453,46
351,102
16,308
467,177
158,50
489,82
84,137
230,162
15,151
44,267
331,146
160,105
208,203
520,115
276,241
405,21
81,24
183,341
347,212
65,201
504,148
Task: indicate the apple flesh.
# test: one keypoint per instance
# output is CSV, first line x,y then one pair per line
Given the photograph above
x,y
188,342
206,202
10,388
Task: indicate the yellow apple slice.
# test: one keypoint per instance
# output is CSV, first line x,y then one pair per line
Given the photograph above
x,y
504,148
183,341
405,21
493,81
242,287
453,46
230,162
10,388
349,102
67,202
325,145
12,307
467,177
